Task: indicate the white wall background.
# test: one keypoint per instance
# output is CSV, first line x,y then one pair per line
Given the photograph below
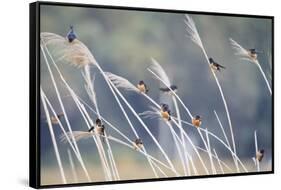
x,y
14,93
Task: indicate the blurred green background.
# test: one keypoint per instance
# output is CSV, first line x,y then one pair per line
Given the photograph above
x,y
123,42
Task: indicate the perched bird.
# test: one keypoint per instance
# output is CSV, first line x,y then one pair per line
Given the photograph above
x,y
142,87
98,128
165,112
259,155
215,66
167,90
197,121
71,35
56,119
253,53
138,144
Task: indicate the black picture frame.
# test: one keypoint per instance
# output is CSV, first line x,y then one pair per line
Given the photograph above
x,y
34,98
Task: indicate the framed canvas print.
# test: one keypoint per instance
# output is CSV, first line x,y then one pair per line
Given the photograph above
x,y
120,94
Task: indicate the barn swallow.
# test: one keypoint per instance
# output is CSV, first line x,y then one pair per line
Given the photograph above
x,y
215,66
197,121
167,90
165,112
259,155
253,53
54,119
98,128
71,35
138,144
142,87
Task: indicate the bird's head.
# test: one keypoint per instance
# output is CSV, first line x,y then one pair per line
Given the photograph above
x,y
174,87
98,121
197,117
138,141
164,106
141,82
211,60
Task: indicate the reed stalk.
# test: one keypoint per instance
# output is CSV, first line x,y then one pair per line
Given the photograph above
x,y
257,149
195,37
63,110
73,170
54,142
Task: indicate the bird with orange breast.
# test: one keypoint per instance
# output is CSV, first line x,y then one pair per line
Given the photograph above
x,y
165,112
260,155
214,65
253,53
99,128
197,121
138,144
142,87
57,118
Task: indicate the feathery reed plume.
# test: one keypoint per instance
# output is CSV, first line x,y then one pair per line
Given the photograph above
x,y
150,114
62,106
248,55
73,170
54,142
156,67
195,37
240,51
75,53
121,82
78,135
192,32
